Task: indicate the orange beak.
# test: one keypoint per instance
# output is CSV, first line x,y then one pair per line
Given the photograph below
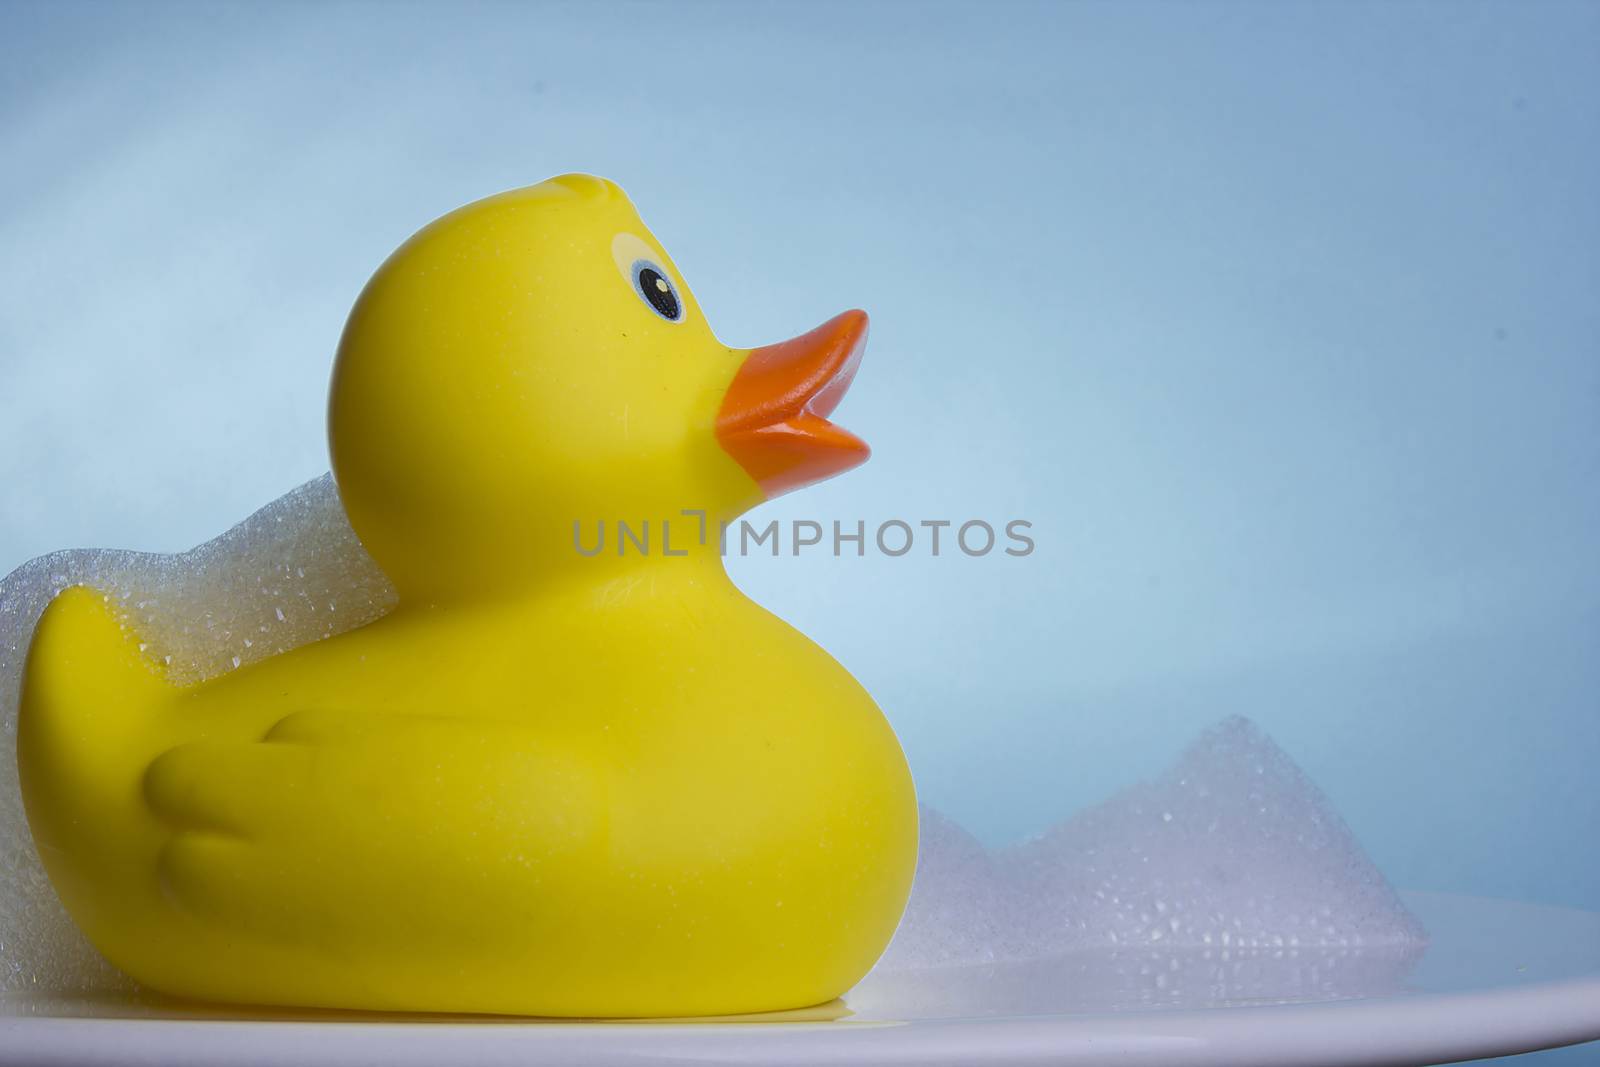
x,y
774,418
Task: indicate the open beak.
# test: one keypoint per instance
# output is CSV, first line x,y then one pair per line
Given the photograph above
x,y
774,417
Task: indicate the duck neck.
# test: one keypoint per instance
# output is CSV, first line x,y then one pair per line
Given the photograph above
x,y
657,554
692,538
631,555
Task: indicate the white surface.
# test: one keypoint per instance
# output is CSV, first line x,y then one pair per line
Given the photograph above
x,y
1498,978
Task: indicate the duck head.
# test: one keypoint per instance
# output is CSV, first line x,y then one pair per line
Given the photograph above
x,y
535,359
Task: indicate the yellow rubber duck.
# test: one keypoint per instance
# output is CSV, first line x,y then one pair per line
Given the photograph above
x,y
552,781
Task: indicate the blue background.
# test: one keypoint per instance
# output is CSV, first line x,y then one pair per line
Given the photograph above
x,y
1278,322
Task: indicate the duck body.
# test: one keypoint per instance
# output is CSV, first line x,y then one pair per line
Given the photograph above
x,y
485,808
607,787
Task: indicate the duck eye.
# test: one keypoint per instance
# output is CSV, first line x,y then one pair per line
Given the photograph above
x,y
651,283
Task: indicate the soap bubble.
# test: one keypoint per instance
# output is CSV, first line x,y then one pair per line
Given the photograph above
x,y
1228,861
1233,848
960,909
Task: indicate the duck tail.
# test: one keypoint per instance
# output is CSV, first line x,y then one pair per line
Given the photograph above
x,y
84,729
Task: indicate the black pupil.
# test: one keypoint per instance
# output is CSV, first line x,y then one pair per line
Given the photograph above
x,y
659,292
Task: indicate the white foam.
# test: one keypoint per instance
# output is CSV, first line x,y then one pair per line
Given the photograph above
x,y
960,909
289,574
1232,851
